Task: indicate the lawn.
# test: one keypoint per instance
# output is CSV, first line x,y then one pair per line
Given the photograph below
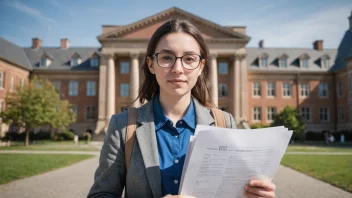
x,y
18,166
333,169
300,148
52,146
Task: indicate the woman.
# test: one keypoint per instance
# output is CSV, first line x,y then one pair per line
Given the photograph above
x,y
175,69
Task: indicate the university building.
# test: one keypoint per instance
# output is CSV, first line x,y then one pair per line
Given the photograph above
x,y
252,83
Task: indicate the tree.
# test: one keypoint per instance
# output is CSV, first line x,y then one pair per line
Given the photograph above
x,y
37,104
291,119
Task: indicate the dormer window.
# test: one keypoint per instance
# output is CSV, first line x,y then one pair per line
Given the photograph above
x,y
283,61
263,60
45,60
324,61
94,61
304,58
75,60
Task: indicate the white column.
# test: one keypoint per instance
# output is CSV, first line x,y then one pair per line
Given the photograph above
x,y
244,88
111,87
214,79
237,87
102,95
134,78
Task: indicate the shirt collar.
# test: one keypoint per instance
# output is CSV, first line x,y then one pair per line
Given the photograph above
x,y
160,119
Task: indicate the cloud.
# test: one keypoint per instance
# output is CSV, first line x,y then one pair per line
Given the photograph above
x,y
292,30
28,10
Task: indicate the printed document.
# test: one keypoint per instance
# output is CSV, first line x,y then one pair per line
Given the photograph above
x,y
221,161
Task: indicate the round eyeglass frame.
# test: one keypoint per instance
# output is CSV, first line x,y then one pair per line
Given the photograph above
x,y
177,57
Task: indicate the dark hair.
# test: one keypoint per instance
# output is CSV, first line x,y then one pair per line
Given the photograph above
x,y
150,87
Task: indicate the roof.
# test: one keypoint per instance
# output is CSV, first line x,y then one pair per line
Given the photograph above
x,y
292,59
344,51
14,54
164,14
61,58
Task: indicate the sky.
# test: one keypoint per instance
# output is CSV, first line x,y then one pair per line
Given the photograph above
x,y
280,23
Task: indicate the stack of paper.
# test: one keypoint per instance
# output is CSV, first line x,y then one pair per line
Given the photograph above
x,y
220,161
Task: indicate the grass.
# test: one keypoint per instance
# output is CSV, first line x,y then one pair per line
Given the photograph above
x,y
18,166
52,146
300,148
333,169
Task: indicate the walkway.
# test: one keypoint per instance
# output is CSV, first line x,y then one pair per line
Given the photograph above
x,y
74,181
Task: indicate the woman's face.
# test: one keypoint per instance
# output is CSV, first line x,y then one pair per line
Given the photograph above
x,y
176,80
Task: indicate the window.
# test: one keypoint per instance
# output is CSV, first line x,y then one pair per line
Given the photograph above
x,y
283,62
287,89
264,61
271,89
271,112
257,113
124,89
223,68
325,63
339,89
306,113
124,67
223,108
323,90
90,112
222,90
350,83
256,89
2,80
73,88
57,85
91,87
12,83
74,109
75,62
94,61
22,83
324,114
305,90
43,62
305,62
340,113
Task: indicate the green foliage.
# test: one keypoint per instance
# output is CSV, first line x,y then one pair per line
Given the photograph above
x,y
33,106
291,119
67,135
259,125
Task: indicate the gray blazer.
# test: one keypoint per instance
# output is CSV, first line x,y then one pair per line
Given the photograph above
x,y
143,177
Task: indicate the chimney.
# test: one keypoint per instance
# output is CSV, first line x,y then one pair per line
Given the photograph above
x,y
36,43
65,43
318,45
261,44
350,19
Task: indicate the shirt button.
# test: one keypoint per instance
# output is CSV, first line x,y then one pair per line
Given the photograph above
x,y
176,182
176,161
181,122
176,136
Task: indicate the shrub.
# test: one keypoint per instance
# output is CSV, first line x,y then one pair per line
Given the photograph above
x,y
258,126
66,135
314,136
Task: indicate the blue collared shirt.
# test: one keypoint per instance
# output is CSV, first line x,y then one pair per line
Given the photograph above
x,y
172,145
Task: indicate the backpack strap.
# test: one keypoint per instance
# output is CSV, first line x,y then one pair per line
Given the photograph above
x,y
130,134
218,117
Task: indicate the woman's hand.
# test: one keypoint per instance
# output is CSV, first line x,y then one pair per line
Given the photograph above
x,y
258,188
177,196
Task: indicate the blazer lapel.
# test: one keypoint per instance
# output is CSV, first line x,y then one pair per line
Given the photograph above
x,y
203,116
146,138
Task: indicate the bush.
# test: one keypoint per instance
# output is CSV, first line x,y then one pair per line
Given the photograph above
x,y
42,135
314,136
258,126
66,135
16,136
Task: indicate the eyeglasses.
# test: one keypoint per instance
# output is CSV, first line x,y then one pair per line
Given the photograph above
x,y
189,61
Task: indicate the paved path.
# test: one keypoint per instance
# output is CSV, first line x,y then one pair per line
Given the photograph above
x,y
74,181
